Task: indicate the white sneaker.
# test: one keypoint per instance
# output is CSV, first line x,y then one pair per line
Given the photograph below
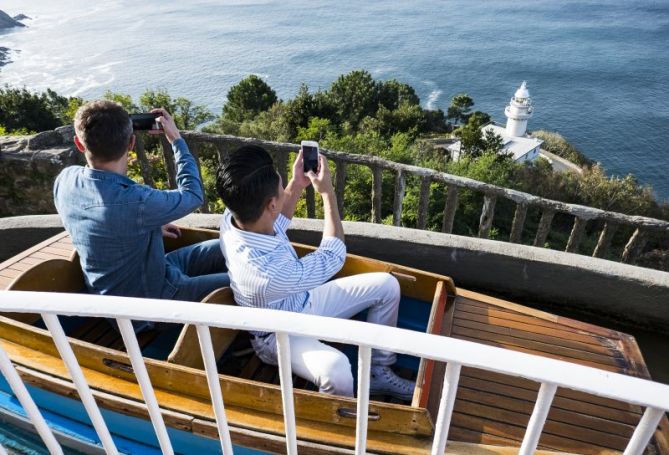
x,y
384,381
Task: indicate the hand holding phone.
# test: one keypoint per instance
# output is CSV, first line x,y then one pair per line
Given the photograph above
x,y
310,156
145,121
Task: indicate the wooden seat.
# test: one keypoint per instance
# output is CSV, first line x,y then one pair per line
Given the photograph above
x,y
186,350
52,275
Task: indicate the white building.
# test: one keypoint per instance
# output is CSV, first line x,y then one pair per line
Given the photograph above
x,y
516,141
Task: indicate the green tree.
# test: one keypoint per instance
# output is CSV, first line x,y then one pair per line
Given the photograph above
x,y
393,93
354,96
248,98
461,105
123,99
187,115
299,110
22,109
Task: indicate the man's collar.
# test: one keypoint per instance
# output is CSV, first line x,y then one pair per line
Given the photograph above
x,y
261,242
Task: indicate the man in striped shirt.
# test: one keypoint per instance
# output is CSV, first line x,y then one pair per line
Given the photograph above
x,y
265,271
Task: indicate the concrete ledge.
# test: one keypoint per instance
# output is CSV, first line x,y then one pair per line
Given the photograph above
x,y
539,277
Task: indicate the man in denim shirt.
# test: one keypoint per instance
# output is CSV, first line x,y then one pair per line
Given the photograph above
x,y
117,225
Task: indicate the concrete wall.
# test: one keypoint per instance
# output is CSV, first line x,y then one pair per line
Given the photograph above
x,y
561,282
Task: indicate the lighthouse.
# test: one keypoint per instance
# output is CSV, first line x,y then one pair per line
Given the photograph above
x,y
518,112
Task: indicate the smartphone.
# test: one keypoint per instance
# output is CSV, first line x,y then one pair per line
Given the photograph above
x,y
310,154
145,121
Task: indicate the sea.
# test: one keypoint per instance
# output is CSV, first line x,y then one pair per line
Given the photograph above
x,y
597,70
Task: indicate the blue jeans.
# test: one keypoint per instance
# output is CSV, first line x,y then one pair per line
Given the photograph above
x,y
196,270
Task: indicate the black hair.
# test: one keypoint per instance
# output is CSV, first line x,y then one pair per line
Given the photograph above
x,y
246,182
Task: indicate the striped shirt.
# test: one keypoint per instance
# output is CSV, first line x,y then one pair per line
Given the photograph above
x,y
265,271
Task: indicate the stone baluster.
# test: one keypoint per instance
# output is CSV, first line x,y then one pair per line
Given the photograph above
x,y
423,202
450,207
487,215
400,189
168,160
282,165
634,247
340,184
194,148
604,242
311,201
576,235
518,223
544,227
377,185
144,164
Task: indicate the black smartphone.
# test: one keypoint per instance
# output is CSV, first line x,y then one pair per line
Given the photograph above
x,y
145,121
310,152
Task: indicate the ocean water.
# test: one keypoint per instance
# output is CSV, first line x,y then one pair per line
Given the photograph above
x,y
597,70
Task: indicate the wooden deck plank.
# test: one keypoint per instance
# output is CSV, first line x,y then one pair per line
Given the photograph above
x,y
525,407
4,282
528,323
30,261
482,299
45,256
10,273
513,425
536,346
498,378
463,321
65,254
559,402
32,250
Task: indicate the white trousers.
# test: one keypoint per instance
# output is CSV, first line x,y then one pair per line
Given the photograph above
x,y
322,364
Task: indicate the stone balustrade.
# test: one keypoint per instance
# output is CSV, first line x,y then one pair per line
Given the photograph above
x,y
204,144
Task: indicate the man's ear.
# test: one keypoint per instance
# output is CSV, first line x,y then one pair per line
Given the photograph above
x,y
131,145
80,146
272,204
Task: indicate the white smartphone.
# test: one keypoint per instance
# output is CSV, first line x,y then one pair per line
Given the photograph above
x,y
310,155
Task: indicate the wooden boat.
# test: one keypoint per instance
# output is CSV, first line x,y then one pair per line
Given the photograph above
x,y
491,411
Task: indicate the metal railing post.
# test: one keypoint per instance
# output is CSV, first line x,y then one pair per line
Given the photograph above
x,y
137,361
285,373
85,394
209,359
364,366
21,392
644,431
538,418
446,404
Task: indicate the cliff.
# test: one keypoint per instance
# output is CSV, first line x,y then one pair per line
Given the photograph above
x,y
6,21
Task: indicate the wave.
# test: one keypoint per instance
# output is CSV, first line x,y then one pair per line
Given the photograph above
x,y
432,98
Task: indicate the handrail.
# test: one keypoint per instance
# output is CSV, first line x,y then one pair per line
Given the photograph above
x,y
550,373
643,226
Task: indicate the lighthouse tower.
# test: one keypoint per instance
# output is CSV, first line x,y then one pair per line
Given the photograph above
x,y
518,112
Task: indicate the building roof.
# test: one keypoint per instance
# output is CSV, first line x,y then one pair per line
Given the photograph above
x,y
517,146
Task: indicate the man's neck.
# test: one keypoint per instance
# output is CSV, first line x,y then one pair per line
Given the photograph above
x,y
119,167
263,225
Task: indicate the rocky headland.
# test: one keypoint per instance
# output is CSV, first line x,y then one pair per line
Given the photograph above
x,y
6,22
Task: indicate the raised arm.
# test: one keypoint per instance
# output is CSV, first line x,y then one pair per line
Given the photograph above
x,y
162,207
322,182
295,187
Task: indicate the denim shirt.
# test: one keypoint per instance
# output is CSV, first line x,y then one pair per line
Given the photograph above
x,y
115,225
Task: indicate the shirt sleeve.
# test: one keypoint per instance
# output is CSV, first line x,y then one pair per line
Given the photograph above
x,y
308,272
162,207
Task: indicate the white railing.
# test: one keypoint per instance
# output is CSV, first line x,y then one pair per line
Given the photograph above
x,y
550,373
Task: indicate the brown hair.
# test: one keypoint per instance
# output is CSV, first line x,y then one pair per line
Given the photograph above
x,y
104,128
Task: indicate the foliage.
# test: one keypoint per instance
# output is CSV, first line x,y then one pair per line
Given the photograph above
x,y
187,115
557,144
461,105
32,111
474,142
247,99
